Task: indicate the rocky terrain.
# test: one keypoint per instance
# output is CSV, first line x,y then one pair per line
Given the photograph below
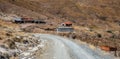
x,y
14,42
96,21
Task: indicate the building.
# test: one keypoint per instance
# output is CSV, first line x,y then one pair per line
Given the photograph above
x,y
67,24
65,27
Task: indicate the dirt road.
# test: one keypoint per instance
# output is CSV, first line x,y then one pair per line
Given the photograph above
x,y
62,48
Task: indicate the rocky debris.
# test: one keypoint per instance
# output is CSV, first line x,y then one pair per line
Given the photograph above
x,y
20,45
29,47
4,56
0,38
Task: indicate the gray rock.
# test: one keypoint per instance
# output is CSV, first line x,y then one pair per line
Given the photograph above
x,y
4,56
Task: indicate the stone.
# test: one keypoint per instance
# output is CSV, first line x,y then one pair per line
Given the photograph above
x,y
4,56
18,37
0,38
25,42
8,34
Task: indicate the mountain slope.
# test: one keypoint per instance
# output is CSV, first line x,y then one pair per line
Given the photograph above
x,y
96,15
78,11
73,9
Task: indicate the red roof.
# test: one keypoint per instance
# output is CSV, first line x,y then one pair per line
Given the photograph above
x,y
27,18
68,22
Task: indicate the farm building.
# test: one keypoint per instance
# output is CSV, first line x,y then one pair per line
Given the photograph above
x,y
28,20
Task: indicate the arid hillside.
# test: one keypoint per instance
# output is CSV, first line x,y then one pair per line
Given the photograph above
x,y
93,13
89,16
95,21
96,15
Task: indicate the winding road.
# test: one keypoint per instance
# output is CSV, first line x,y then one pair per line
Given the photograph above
x,y
63,48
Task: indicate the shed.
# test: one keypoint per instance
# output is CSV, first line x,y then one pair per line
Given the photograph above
x,y
68,23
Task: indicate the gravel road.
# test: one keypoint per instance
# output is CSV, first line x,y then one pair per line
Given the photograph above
x,y
63,48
